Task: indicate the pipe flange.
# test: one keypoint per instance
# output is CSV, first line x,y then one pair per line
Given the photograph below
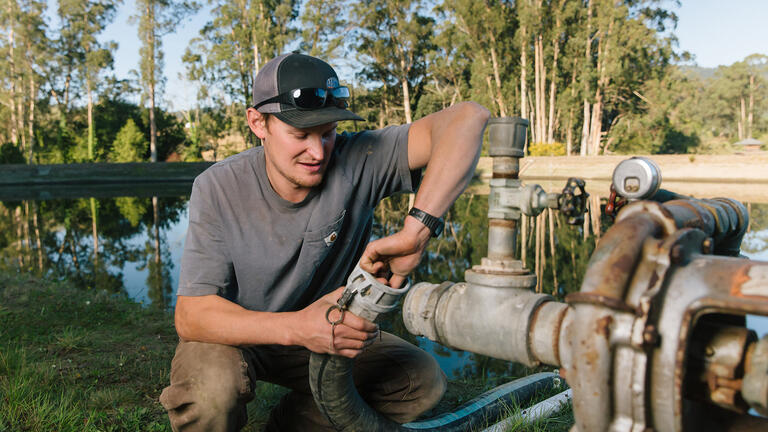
x,y
499,279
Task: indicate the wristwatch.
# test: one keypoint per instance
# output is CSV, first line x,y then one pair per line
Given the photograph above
x,y
435,224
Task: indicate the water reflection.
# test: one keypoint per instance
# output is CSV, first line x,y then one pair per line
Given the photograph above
x,y
94,242
134,245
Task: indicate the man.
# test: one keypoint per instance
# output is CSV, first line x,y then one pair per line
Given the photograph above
x,y
275,230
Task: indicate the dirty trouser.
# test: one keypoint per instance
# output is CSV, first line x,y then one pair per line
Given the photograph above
x,y
211,384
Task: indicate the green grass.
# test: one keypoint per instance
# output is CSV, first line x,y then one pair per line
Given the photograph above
x,y
74,360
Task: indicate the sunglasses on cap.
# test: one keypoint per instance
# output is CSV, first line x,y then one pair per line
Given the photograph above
x,y
311,98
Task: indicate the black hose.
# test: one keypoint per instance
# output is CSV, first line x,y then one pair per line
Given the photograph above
x,y
337,398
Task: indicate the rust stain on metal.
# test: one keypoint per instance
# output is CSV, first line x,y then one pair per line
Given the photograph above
x,y
624,263
604,326
751,281
502,223
600,300
505,175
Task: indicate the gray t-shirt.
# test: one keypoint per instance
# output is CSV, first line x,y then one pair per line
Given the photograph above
x,y
249,245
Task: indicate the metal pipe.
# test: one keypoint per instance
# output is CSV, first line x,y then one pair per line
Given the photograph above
x,y
506,140
486,320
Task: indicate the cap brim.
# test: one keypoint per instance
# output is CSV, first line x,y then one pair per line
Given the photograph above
x,y
309,118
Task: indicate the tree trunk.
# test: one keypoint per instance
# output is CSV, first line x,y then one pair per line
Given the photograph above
x,y
603,53
20,236
542,92
551,216
90,115
553,80
406,101
37,237
32,92
497,76
523,73
151,79
751,105
536,92
158,263
569,133
95,231
584,149
596,126
152,125
12,70
743,122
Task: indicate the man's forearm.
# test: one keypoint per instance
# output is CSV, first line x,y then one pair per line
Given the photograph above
x,y
456,135
448,143
214,319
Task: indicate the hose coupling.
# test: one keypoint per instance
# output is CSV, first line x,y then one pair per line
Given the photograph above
x,y
367,298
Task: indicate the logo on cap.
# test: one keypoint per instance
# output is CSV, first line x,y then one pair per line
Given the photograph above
x,y
332,83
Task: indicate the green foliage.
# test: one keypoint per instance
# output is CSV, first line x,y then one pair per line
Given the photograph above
x,y
324,23
546,149
393,41
130,144
615,58
11,154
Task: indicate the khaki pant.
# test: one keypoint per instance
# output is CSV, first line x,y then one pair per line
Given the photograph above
x,y
211,384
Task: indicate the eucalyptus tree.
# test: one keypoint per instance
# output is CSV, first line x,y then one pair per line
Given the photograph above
x,y
449,69
393,40
241,37
624,45
156,18
484,32
324,27
25,46
82,22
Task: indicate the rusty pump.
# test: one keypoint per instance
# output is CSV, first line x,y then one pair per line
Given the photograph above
x,y
655,340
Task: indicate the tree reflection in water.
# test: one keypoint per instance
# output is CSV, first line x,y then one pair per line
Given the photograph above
x,y
88,241
56,238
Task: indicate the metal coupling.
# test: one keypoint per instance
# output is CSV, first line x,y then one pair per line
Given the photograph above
x,y
368,297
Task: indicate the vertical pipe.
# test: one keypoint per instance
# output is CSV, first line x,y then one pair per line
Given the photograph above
x,y
506,138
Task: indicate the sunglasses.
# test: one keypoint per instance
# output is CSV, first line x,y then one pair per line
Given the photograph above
x,y
311,98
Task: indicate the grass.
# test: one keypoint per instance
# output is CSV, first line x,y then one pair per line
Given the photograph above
x,y
74,360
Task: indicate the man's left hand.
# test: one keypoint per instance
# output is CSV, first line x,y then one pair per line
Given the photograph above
x,y
399,253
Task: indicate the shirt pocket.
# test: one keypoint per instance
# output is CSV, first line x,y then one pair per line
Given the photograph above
x,y
326,235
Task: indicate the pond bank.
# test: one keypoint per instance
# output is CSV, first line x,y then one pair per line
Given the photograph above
x,y
702,176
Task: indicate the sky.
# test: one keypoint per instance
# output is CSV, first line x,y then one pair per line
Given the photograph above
x,y
716,32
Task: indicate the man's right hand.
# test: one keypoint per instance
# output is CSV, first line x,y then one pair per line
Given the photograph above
x,y
313,331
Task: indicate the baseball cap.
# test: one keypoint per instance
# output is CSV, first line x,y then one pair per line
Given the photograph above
x,y
289,75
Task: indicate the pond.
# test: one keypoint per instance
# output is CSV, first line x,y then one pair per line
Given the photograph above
x,y
133,245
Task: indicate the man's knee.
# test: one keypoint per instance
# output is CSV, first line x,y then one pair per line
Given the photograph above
x,y
399,379
209,388
429,383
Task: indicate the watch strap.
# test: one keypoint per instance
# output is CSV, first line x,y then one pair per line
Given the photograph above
x,y
435,224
